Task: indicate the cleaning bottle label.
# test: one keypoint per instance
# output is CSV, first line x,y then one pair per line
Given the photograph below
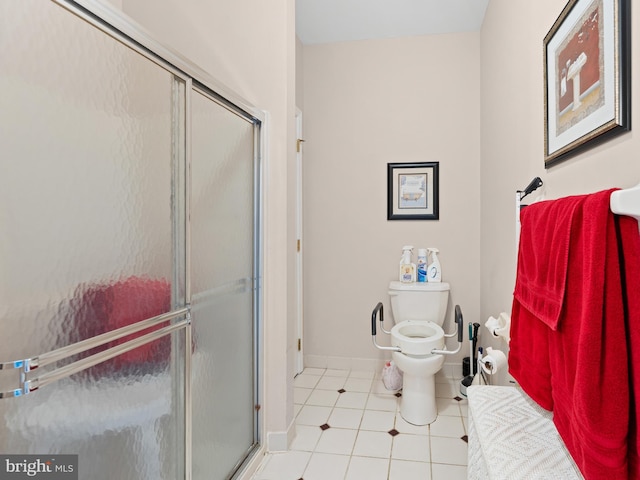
x,y
421,266
422,271
406,273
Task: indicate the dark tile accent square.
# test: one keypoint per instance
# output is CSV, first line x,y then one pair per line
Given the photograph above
x,y
458,399
398,394
325,426
465,438
342,390
393,432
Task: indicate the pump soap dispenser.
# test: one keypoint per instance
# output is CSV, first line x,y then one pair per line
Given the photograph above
x,y
434,272
407,269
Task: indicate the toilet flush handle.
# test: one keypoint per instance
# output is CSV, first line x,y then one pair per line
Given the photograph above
x,y
374,314
458,320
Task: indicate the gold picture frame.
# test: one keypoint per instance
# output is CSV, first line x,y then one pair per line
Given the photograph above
x,y
586,77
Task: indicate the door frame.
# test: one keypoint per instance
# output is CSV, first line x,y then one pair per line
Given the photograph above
x,y
299,364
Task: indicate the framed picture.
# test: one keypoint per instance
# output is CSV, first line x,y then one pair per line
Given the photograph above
x,y
412,191
587,71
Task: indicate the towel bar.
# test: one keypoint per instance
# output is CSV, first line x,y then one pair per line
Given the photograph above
x,y
627,202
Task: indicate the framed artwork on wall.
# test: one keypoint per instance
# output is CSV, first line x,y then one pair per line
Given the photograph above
x,y
587,70
412,191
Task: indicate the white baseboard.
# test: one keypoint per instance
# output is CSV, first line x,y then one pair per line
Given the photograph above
x,y
280,441
452,370
343,363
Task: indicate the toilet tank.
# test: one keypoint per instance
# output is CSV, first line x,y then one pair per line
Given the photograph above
x,y
419,301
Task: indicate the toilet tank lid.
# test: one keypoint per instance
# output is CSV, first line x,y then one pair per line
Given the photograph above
x,y
419,286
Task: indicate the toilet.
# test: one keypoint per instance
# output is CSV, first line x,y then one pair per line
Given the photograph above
x,y
419,311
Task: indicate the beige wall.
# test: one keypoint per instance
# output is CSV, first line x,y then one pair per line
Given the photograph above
x,y
249,47
513,138
366,104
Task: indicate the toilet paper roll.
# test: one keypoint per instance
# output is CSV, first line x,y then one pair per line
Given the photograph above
x,y
494,362
499,327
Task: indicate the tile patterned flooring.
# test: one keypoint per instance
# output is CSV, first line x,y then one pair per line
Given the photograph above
x,y
349,428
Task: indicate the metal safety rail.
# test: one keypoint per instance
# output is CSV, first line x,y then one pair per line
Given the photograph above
x,y
458,331
378,312
379,309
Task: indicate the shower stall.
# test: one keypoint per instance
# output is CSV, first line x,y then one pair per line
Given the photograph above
x,y
130,251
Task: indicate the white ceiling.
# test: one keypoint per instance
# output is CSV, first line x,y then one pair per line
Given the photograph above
x,y
326,21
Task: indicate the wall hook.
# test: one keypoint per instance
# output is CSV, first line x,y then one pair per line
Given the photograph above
x,y
533,186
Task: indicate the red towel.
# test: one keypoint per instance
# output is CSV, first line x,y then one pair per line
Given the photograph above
x,y
102,308
583,365
588,352
543,257
631,277
529,355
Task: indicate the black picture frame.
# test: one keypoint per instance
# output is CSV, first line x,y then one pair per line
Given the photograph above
x,y
413,191
587,77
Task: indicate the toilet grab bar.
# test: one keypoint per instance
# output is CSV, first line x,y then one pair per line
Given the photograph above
x,y
458,320
374,314
379,311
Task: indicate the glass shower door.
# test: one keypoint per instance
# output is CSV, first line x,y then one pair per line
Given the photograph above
x,y
88,253
223,234
129,240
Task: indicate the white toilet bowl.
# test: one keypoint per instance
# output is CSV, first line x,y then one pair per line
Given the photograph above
x,y
417,339
417,343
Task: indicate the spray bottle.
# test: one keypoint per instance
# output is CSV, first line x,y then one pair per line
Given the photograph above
x,y
434,273
407,269
421,266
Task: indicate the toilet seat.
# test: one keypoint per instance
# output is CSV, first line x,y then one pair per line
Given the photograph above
x,y
417,337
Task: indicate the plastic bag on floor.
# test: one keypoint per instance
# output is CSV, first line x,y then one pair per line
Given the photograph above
x,y
391,376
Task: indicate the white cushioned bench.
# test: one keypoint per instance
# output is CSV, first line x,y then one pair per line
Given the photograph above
x,y
511,438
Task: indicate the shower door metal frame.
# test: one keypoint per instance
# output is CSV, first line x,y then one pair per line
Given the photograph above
x,y
113,23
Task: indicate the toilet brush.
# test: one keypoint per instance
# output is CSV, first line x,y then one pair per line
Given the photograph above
x,y
471,353
468,380
474,370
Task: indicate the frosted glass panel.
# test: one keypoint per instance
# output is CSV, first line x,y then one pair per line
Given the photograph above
x,y
87,242
222,195
120,427
222,271
85,175
222,384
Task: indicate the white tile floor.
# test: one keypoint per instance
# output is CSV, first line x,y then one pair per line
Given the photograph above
x,y
357,445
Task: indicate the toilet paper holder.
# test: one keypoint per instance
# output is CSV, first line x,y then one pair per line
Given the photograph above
x,y
499,327
494,365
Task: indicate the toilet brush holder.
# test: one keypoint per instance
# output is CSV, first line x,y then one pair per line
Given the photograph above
x,y
465,367
465,383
